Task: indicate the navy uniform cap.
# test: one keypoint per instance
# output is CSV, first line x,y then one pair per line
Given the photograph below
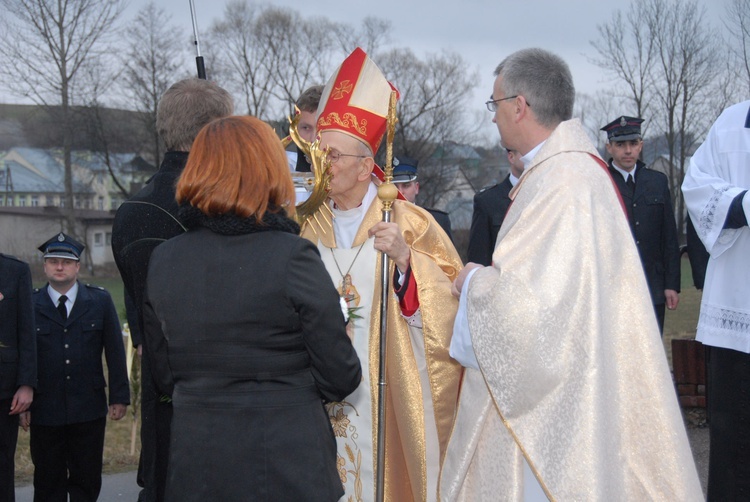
x,y
62,246
404,169
623,129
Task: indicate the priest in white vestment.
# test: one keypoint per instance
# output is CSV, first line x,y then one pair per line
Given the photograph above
x,y
567,393
422,379
715,189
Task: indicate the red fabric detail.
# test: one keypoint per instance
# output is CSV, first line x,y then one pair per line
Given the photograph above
x,y
408,299
609,175
338,114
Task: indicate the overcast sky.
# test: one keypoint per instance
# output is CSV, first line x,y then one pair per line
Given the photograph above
x,y
482,31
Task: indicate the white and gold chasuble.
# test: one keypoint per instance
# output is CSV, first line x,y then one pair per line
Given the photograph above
x,y
573,376
422,379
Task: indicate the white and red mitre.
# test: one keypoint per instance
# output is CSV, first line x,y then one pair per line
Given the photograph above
x,y
355,100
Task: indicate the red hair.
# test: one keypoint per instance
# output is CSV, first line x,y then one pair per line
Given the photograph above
x,y
237,165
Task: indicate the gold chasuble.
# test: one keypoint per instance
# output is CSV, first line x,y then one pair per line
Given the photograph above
x,y
434,263
573,376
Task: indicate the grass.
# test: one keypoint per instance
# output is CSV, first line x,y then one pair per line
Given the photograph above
x,y
679,323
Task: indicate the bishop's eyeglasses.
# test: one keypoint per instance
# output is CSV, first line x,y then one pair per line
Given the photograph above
x,y
335,156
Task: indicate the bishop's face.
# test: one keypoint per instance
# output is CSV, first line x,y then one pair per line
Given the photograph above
x,y
351,166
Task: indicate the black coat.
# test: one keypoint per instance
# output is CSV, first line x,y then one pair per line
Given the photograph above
x,y
143,222
71,376
17,335
247,327
490,206
652,222
443,219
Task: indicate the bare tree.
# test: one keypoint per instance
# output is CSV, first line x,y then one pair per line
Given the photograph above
x,y
432,123
46,43
245,65
154,57
689,62
737,22
598,109
372,35
301,51
670,60
625,50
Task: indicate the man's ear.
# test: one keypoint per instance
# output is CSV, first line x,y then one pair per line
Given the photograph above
x,y
365,169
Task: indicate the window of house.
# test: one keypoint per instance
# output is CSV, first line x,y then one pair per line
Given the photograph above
x,y
21,201
108,238
100,203
34,201
98,239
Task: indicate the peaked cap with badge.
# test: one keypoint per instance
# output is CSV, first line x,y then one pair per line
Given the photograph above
x,y
404,169
623,128
62,246
355,100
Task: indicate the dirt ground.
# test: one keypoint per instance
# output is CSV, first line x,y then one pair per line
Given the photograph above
x,y
697,431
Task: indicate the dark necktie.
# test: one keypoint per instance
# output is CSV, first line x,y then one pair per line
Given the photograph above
x,y
630,182
62,308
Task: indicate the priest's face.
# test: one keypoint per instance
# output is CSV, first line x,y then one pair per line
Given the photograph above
x,y
351,166
503,116
625,153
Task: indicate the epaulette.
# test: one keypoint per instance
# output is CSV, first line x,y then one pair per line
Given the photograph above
x,y
92,286
488,187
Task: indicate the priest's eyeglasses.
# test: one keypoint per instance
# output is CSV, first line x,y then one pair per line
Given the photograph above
x,y
492,103
335,156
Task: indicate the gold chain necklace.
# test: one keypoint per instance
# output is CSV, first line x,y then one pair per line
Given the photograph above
x,y
343,275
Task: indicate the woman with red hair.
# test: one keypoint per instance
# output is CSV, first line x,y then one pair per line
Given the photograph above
x,y
246,330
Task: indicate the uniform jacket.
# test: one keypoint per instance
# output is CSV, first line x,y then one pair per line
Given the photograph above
x,y
652,222
71,376
490,206
248,327
17,336
143,222
443,219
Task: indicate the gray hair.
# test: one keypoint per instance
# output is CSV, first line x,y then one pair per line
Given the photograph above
x,y
545,81
186,107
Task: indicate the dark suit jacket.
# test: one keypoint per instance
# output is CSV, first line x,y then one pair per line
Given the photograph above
x,y
17,335
443,219
490,206
71,376
143,222
652,222
254,339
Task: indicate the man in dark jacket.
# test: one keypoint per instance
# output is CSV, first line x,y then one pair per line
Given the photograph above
x,y
490,206
405,178
645,193
75,323
142,223
17,362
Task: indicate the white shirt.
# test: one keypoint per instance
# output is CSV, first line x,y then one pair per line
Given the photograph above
x,y
72,294
623,172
